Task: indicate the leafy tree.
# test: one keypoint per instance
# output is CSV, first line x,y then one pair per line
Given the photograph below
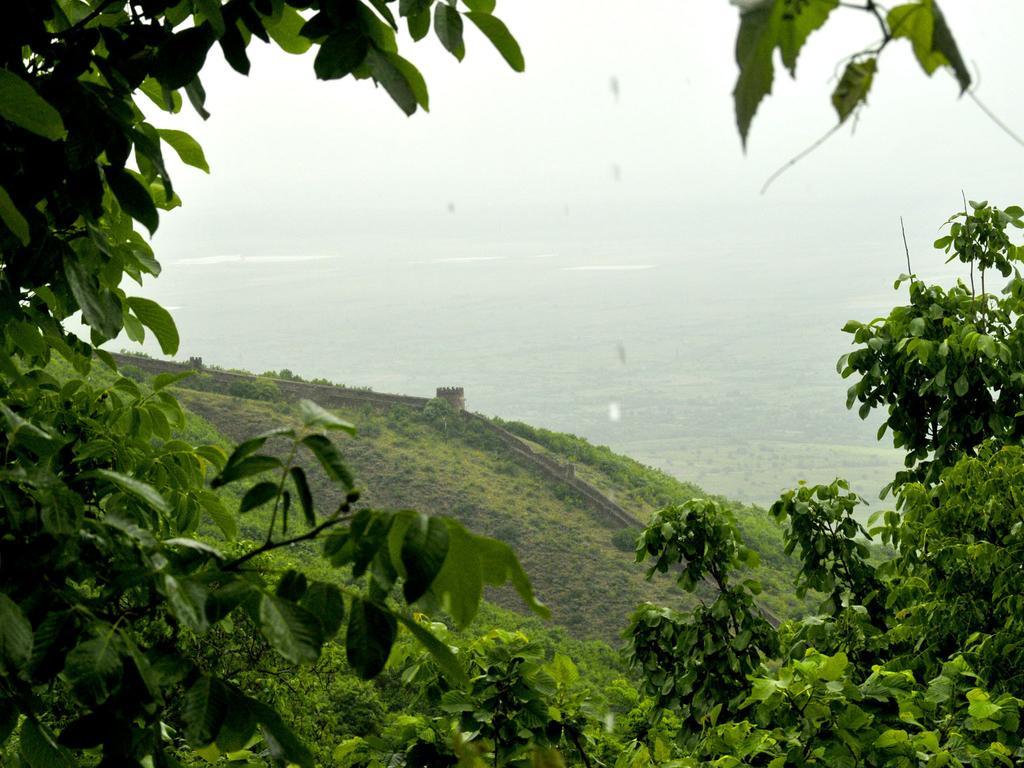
x,y
914,660
515,709
103,575
947,367
697,662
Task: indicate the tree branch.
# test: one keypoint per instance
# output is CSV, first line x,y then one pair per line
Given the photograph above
x,y
267,546
905,246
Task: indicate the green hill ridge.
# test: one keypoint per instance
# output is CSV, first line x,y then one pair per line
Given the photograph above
x,y
571,510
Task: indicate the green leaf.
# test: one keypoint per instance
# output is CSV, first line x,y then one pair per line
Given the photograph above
x,y
381,7
26,433
215,508
21,105
11,216
386,72
892,738
179,60
291,586
448,28
15,634
285,31
28,338
413,77
258,495
94,668
329,459
424,548
314,416
305,497
496,31
186,147
239,722
442,654
755,44
158,320
924,25
101,309
458,586
943,42
133,327
797,22
187,599
281,742
39,750
340,54
371,633
197,97
483,6
500,566
853,87
834,667
9,716
133,197
290,629
419,24
140,490
204,708
414,7
210,10
326,603
980,707
238,470
164,380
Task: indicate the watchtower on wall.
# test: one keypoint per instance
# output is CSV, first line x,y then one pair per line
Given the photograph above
x,y
454,395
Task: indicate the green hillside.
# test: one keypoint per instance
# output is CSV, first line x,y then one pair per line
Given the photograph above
x,y
441,462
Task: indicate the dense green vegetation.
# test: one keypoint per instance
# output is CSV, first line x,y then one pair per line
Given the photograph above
x,y
172,594
403,459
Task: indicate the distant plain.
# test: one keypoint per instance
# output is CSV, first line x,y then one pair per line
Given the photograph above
x,y
717,358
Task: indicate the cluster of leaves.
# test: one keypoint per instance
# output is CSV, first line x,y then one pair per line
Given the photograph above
x,y
120,568
814,712
513,708
103,574
915,660
957,575
698,662
948,365
820,521
785,26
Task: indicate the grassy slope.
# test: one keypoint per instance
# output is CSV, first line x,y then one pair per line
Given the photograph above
x,y
403,459
643,490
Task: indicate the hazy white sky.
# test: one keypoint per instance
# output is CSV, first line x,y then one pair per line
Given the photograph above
x,y
299,163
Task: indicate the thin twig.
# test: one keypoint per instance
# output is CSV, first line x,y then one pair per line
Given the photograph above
x,y
905,246
579,747
964,196
797,158
280,489
312,533
992,116
872,8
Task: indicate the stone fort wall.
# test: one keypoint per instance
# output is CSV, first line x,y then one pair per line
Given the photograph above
x,y
328,395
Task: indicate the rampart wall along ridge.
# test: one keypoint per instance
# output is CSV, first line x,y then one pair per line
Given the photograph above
x,y
331,395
